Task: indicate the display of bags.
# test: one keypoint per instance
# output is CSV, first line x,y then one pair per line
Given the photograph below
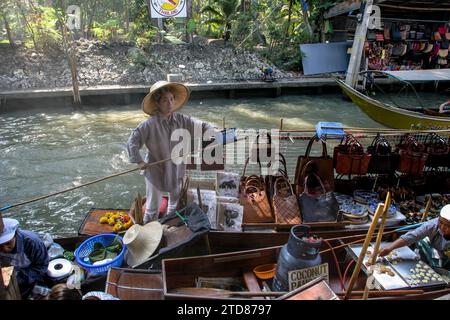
x,y
285,203
324,164
412,155
349,157
381,160
438,151
323,208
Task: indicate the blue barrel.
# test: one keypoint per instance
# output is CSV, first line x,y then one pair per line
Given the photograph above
x,y
301,251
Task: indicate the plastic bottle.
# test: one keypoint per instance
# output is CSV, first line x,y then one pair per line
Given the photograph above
x,y
41,290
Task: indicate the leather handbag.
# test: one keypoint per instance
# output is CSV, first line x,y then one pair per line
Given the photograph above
x,y
412,155
253,197
285,203
324,164
395,32
349,157
381,160
438,151
270,179
254,200
323,208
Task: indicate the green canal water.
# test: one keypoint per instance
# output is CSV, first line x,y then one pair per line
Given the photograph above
x,y
48,150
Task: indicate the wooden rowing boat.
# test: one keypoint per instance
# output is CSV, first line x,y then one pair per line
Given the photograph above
x,y
391,116
179,279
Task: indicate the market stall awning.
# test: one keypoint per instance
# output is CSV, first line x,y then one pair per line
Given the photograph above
x,y
421,75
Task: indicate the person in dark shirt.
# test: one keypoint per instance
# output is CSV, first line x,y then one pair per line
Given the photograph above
x,y
26,252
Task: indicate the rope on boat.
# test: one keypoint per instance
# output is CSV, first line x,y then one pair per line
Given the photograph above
x,y
107,177
349,129
362,240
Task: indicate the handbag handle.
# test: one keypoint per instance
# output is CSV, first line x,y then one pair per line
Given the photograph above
x,y
320,181
253,180
269,142
286,182
311,141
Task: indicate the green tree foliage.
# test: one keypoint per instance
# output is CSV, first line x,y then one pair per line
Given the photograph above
x,y
277,27
224,14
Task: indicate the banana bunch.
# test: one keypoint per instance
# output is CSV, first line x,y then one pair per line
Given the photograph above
x,y
119,220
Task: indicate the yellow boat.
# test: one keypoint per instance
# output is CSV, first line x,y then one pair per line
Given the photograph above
x,y
391,116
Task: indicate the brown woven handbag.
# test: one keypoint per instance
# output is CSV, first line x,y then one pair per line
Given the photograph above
x,y
254,200
285,203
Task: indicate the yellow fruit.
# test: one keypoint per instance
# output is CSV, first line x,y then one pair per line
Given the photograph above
x,y
118,226
111,221
116,216
103,220
108,214
128,224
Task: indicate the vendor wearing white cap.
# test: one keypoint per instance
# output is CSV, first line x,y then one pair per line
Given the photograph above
x,y
437,230
26,252
161,103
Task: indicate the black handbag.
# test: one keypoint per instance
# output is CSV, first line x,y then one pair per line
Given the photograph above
x,y
381,160
323,208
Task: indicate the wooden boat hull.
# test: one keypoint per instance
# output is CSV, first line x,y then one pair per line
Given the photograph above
x,y
183,273
391,116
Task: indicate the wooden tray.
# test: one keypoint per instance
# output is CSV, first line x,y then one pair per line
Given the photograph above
x,y
91,225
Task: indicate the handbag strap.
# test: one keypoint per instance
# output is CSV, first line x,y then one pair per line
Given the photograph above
x,y
252,181
311,141
320,181
285,181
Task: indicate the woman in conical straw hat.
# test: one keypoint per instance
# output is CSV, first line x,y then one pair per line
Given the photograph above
x,y
160,134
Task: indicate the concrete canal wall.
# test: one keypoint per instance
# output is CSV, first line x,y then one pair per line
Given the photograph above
x,y
133,94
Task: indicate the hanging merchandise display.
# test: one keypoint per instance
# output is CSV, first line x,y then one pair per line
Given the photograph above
x,y
411,45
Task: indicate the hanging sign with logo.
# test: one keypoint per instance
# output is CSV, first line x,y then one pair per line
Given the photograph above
x,y
168,8
297,278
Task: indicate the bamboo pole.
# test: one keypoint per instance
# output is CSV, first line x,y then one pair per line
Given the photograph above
x,y
373,258
427,208
387,203
415,8
363,250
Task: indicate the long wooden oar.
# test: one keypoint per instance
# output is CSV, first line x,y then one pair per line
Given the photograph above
x,y
213,292
383,293
363,250
376,248
425,212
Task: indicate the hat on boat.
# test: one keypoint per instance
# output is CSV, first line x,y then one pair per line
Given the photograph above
x,y
142,241
429,48
445,212
179,90
443,53
9,229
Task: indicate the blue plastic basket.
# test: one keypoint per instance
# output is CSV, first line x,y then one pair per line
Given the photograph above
x,y
88,246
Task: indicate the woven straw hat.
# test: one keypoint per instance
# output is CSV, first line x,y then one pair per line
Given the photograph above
x,y
142,241
180,91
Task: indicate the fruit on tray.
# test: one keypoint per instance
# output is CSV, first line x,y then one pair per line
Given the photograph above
x,y
120,220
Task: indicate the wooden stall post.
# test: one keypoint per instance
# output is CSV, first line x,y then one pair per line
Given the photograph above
x,y
427,208
373,258
363,251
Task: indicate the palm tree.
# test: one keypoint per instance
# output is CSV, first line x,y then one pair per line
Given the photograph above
x,y
224,12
